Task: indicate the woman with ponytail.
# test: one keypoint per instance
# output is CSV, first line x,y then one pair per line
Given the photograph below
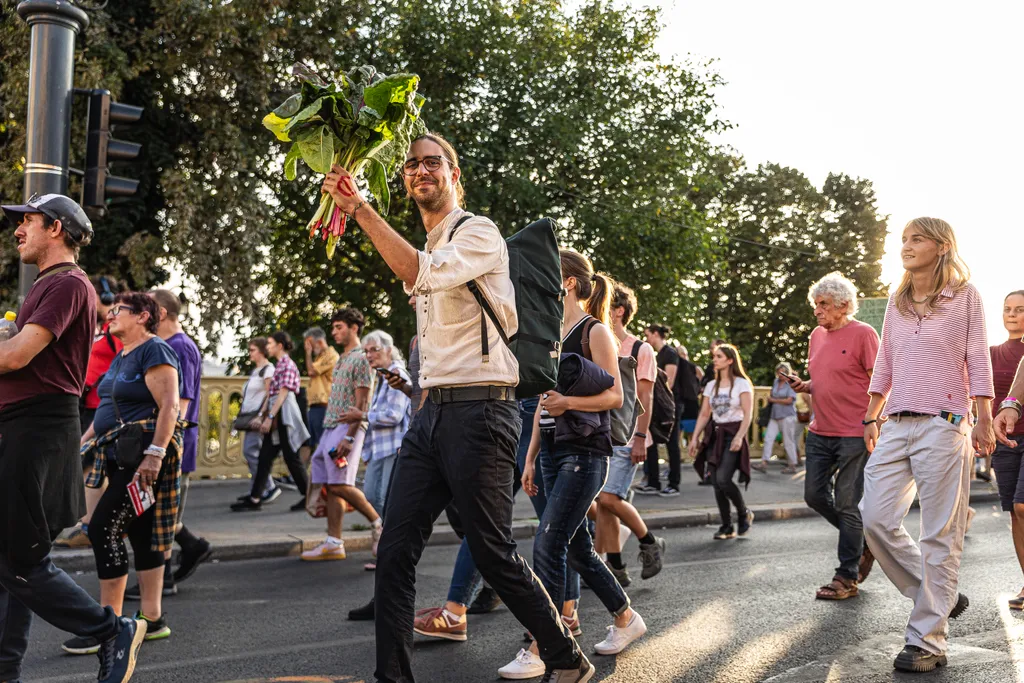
x,y
574,472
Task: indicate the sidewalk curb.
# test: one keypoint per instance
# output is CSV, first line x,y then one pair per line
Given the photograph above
x,y
82,560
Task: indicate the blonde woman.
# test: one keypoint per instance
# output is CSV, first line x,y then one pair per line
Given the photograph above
x,y
932,361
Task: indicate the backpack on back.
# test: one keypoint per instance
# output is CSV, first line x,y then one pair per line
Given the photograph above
x,y
624,418
663,412
536,273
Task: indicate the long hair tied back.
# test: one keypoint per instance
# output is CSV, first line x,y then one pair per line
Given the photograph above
x,y
593,289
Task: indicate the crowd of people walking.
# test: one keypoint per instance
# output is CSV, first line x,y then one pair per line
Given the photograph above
x,y
448,432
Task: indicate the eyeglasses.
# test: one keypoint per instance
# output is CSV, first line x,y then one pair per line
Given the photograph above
x,y
431,163
372,349
116,309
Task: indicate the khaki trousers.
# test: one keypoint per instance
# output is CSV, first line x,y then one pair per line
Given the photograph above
x,y
930,457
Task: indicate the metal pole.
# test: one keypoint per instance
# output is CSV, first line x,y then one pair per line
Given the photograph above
x,y
54,24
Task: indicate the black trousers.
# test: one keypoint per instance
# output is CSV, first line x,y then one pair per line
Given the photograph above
x,y
465,454
268,453
675,457
726,489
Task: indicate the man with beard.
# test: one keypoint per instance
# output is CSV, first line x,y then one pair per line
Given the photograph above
x,y
461,447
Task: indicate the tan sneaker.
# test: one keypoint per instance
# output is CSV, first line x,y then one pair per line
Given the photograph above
x,y
438,622
325,551
73,539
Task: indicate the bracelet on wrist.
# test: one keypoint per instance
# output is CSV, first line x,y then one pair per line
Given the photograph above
x,y
868,422
641,435
356,210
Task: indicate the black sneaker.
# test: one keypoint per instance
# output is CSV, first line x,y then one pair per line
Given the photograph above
x,y
669,492
914,659
133,594
962,603
621,575
271,495
650,557
300,506
582,673
190,558
119,654
487,600
648,490
156,629
746,523
724,532
81,645
246,505
364,613
706,481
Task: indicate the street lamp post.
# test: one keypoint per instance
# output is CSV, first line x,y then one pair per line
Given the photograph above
x,y
54,24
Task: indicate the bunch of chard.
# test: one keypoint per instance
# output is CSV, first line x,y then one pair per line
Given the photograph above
x,y
364,121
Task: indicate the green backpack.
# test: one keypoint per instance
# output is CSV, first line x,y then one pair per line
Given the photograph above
x,y
536,272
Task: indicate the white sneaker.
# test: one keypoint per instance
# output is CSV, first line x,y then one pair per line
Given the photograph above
x,y
376,533
619,638
525,665
624,534
325,551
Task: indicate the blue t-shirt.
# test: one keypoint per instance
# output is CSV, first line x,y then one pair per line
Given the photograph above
x,y
782,389
191,363
127,376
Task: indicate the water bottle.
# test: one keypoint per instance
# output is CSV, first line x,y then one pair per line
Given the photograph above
x,y
7,327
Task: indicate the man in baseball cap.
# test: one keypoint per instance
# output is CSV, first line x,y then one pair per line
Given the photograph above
x,y
42,374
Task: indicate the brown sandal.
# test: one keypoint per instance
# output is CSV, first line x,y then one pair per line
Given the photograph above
x,y
839,589
867,561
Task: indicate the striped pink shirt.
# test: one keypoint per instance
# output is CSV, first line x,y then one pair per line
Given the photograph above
x,y
935,363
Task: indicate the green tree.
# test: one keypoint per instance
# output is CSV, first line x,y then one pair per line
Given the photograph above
x,y
784,234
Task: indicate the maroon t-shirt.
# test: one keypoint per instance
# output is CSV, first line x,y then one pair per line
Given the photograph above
x,y
1005,359
63,303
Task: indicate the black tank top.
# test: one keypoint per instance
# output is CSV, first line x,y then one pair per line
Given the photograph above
x,y
573,342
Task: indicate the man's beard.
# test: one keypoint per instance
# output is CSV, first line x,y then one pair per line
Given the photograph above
x,y
436,201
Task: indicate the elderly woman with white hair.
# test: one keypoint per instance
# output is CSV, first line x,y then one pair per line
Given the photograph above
x,y
388,417
783,419
840,359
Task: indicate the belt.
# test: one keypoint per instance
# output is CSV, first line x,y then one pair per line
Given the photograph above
x,y
463,394
949,417
317,405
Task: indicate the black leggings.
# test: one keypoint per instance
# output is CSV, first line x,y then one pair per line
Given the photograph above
x,y
114,516
726,490
268,453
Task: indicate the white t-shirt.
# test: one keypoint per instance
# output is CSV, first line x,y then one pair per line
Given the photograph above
x,y
725,405
255,390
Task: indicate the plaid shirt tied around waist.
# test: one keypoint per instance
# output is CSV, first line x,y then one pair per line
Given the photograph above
x,y
167,490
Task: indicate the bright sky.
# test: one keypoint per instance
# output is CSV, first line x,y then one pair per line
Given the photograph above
x,y
922,98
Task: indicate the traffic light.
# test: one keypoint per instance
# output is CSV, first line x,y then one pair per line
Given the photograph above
x,y
101,149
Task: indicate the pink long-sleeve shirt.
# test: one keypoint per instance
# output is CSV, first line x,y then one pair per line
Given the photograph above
x,y
935,363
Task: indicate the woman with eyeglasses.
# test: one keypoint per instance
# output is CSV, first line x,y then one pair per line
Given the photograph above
x,y
136,440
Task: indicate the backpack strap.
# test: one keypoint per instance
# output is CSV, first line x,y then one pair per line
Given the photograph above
x,y
484,305
637,345
585,339
110,341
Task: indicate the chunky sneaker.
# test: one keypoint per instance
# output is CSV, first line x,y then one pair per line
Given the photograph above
x,y
621,575
648,490
745,523
650,557
119,654
916,660
375,534
525,665
270,496
724,532
156,629
487,600
325,551
619,638
669,492
134,594
81,645
573,623
582,673
74,539
190,558
364,613
440,623
962,603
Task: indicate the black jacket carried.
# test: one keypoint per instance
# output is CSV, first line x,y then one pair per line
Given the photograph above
x,y
578,376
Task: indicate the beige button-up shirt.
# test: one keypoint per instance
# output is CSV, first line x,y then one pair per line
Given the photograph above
x,y
447,314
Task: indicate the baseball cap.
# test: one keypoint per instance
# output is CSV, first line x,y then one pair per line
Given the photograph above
x,y
59,208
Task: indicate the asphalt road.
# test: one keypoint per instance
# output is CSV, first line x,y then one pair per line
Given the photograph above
x,y
731,612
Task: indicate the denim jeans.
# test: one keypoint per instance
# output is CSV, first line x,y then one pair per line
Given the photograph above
x,y
573,476
462,453
376,480
52,595
316,415
466,580
833,488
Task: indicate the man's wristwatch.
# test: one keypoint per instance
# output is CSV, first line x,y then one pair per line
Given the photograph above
x,y
1011,402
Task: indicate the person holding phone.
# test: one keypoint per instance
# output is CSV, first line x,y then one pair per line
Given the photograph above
x,y
142,387
783,419
387,419
841,358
